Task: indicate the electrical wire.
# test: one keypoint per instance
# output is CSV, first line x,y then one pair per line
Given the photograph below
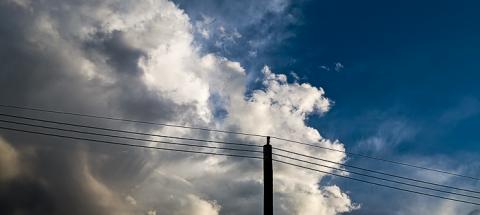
x,y
378,158
125,131
129,138
129,120
116,136
377,184
128,144
224,148
232,155
376,171
380,178
239,133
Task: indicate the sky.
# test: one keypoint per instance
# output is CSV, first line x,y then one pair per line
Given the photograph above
x,y
396,80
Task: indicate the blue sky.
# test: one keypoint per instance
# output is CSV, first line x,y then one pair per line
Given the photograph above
x,y
414,62
410,78
408,87
397,80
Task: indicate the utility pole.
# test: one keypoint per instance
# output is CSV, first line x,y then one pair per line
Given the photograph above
x,y
267,179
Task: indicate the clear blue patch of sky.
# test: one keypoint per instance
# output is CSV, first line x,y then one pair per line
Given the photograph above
x,y
415,60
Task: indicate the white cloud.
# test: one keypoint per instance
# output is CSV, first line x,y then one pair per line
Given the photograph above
x,y
137,58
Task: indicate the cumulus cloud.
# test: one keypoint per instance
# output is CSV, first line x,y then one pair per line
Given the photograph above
x,y
138,59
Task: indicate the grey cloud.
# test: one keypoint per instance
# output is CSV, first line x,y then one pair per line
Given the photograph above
x,y
53,56
52,181
44,72
121,55
25,196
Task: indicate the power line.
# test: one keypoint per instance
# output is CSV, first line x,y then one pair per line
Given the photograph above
x,y
377,184
238,133
116,136
230,155
378,158
380,178
130,138
375,171
125,131
127,144
129,120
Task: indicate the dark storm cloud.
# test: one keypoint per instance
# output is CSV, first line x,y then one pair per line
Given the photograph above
x,y
25,196
44,73
51,182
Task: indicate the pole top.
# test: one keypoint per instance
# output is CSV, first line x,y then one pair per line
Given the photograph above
x,y
268,140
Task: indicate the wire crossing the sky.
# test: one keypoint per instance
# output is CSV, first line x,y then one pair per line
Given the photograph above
x,y
125,131
378,158
225,154
225,148
237,133
377,184
379,178
131,138
376,171
216,147
129,120
246,150
128,144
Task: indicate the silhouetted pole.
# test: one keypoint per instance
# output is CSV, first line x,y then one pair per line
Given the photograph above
x,y
267,179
